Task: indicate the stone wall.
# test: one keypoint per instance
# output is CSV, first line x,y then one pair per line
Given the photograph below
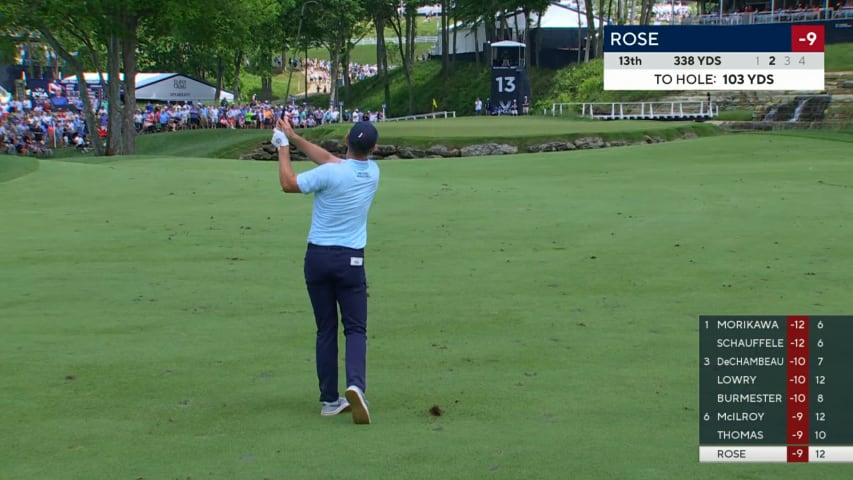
x,y
267,152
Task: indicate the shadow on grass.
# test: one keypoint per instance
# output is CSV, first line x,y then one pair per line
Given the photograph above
x,y
12,167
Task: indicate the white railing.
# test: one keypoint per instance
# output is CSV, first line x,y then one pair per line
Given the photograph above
x,y
422,116
777,16
638,110
420,39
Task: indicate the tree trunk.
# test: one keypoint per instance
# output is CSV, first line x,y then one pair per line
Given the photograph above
x,y
409,53
580,39
646,12
405,27
539,38
477,47
219,71
82,86
266,87
516,34
590,29
445,40
382,57
599,39
345,65
502,34
128,48
238,65
113,93
526,39
455,37
491,35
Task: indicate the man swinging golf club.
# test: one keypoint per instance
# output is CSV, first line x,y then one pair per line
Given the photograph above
x,y
334,262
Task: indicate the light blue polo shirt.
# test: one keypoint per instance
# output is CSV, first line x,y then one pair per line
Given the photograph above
x,y
343,193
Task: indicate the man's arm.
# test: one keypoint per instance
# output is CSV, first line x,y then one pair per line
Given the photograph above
x,y
286,177
315,153
285,171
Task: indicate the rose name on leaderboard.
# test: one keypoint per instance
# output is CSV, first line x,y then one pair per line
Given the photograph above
x,y
775,389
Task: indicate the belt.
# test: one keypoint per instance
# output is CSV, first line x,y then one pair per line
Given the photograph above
x,y
334,247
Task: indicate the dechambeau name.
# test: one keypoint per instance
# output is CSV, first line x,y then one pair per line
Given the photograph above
x,y
750,343
751,361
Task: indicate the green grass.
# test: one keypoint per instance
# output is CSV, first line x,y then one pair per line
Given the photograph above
x,y
155,322
12,166
739,115
838,57
458,132
212,143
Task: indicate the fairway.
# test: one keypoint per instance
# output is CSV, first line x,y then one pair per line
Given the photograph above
x,y
155,323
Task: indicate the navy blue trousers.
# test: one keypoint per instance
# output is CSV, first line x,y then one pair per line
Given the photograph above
x,y
335,279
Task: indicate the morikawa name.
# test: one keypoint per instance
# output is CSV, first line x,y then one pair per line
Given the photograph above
x,y
748,325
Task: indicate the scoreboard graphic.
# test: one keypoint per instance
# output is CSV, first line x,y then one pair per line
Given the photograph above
x,y
775,389
713,57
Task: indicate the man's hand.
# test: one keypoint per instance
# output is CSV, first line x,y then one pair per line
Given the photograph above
x,y
279,139
315,153
283,125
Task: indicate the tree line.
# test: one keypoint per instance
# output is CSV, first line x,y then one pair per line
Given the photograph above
x,y
217,41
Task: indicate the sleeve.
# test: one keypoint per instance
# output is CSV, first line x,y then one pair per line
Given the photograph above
x,y
316,179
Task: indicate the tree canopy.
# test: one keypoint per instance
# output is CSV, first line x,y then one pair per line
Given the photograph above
x,y
219,42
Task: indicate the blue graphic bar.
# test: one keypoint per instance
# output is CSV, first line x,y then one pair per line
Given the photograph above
x,y
774,37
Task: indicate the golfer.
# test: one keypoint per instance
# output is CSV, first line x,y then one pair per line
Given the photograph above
x,y
334,262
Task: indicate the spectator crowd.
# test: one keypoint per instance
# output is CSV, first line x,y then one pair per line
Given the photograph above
x,y
37,130
36,125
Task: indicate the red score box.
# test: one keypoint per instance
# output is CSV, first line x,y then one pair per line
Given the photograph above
x,y
798,426
807,38
797,377
798,454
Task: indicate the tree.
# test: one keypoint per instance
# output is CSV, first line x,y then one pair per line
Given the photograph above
x,y
40,18
109,26
334,24
268,18
445,39
382,11
405,27
590,30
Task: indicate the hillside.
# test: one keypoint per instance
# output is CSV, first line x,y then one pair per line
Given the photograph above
x,y
458,89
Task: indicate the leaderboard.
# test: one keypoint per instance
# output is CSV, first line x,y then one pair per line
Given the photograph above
x,y
776,389
714,57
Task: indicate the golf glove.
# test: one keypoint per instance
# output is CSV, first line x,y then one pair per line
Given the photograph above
x,y
279,139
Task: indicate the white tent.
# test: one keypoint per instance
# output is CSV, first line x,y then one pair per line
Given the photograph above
x,y
165,87
175,87
562,16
